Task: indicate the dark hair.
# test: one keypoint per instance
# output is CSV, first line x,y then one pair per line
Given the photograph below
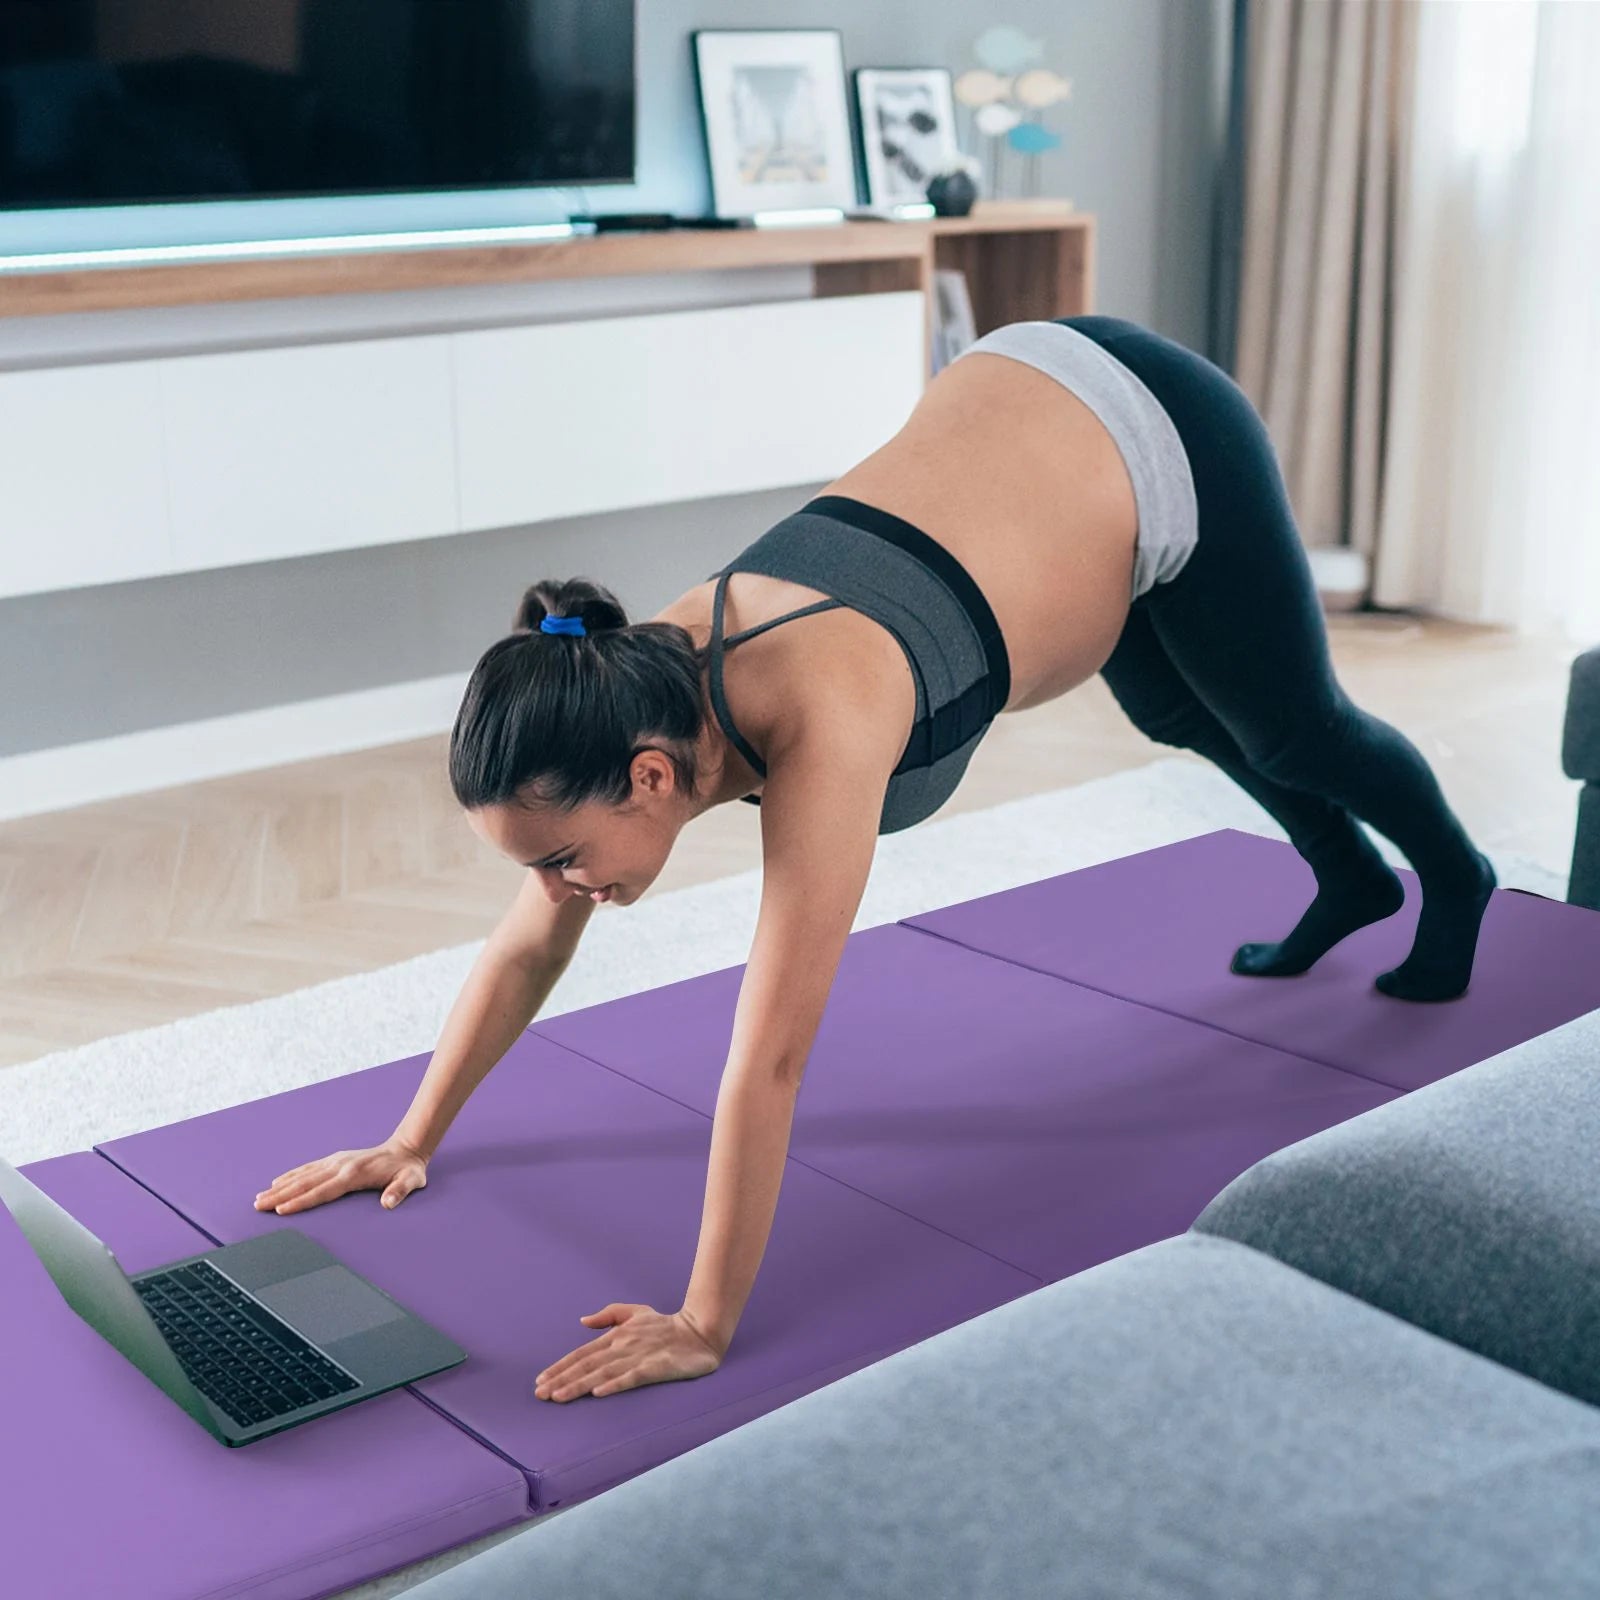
x,y
561,716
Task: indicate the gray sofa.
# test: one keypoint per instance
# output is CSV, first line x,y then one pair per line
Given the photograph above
x,y
1370,1368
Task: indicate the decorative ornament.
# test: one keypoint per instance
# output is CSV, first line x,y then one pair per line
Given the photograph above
x,y
979,86
1004,97
1040,88
997,118
1030,139
1007,50
954,186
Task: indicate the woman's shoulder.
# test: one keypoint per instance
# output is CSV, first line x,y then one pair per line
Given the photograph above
x,y
833,676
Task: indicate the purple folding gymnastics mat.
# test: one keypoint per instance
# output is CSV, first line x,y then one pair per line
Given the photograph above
x,y
559,1188
969,1128
1160,928
1045,1124
112,1490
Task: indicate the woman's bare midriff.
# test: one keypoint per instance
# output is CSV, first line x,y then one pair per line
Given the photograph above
x,y
1020,481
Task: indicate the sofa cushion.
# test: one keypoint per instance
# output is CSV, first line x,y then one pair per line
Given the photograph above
x,y
1191,1420
1470,1208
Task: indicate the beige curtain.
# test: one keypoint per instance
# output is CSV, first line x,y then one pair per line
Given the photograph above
x,y
1417,318
1323,147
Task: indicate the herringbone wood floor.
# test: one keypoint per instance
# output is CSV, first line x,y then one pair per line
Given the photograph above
x,y
139,911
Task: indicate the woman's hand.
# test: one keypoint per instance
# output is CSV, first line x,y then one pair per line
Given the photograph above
x,y
639,1346
393,1166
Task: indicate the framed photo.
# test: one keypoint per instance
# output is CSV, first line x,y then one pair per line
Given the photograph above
x,y
908,129
776,117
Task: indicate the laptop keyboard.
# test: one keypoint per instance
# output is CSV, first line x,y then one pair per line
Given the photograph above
x,y
236,1353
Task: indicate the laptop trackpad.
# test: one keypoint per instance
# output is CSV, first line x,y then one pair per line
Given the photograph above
x,y
330,1303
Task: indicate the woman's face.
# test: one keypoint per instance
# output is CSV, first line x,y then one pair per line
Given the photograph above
x,y
610,853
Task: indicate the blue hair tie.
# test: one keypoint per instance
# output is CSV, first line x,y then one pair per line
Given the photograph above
x,y
572,625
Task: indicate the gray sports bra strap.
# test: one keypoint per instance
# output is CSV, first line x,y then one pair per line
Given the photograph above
x,y
804,611
719,699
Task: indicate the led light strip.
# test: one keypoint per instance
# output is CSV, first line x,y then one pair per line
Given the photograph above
x,y
167,255
913,210
798,218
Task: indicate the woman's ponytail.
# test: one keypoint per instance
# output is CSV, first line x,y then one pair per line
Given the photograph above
x,y
556,719
597,608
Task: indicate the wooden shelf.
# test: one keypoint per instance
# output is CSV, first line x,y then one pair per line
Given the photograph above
x,y
1025,258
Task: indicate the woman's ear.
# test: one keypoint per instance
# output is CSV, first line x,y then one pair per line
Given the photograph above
x,y
652,771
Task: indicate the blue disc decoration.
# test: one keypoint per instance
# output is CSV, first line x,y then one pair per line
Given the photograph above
x,y
1032,138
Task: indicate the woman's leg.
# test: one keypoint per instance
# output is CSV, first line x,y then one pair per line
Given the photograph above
x,y
1355,885
1242,625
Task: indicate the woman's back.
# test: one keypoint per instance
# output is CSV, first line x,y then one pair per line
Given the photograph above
x,y
1021,483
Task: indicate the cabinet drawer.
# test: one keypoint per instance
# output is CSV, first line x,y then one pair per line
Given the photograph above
x,y
83,489
325,447
577,417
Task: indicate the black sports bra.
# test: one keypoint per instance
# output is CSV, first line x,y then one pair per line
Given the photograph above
x,y
928,606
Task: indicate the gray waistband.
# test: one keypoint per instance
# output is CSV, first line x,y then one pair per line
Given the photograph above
x,y
1163,484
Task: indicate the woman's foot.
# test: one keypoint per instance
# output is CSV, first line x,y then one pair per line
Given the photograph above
x,y
1339,909
1440,964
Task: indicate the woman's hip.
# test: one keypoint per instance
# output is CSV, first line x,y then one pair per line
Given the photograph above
x,y
1220,429
1244,522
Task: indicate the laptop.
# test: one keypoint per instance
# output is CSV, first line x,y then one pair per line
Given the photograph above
x,y
249,1339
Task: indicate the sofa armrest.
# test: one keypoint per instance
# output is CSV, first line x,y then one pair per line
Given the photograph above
x,y
1580,758
1580,737
1466,1208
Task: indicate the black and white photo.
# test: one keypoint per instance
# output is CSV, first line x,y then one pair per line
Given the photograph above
x,y
908,130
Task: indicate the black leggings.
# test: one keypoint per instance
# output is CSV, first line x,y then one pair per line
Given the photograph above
x,y
1230,659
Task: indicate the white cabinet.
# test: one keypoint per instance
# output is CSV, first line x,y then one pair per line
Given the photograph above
x,y
132,469
575,417
324,447
83,488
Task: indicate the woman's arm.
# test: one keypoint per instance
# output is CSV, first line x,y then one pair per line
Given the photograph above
x,y
820,809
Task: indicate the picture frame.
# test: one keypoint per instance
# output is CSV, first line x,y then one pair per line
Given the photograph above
x,y
775,113
908,130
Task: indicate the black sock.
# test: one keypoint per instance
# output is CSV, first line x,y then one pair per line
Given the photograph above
x,y
1440,964
1342,905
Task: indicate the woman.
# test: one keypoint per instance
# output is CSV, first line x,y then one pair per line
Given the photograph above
x,y
1067,498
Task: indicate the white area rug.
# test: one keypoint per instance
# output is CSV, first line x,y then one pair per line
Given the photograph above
x,y
71,1099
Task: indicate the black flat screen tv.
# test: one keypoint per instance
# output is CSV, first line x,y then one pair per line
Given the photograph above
x,y
123,102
